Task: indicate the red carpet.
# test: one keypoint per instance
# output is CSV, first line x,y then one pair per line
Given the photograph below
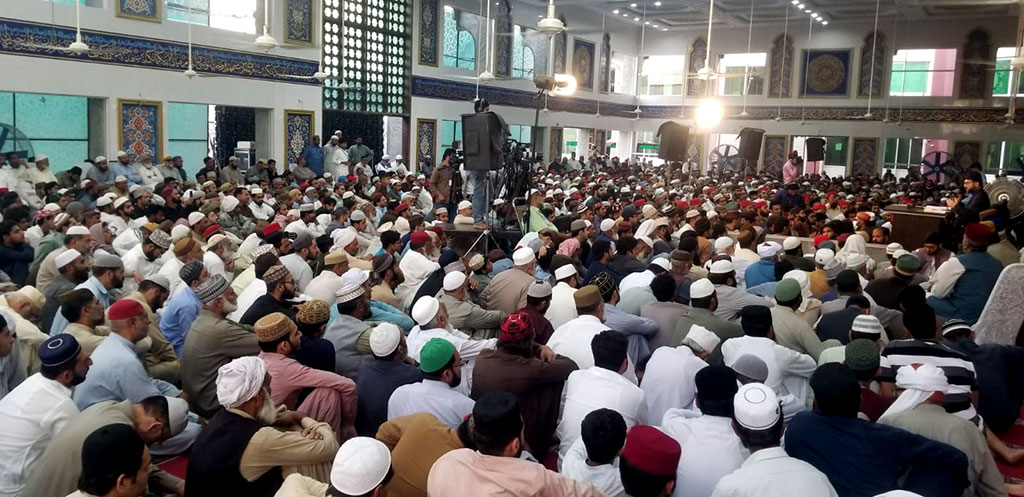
x,y
175,465
1014,437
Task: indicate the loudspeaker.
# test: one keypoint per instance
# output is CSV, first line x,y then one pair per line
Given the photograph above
x,y
674,138
750,144
815,149
483,137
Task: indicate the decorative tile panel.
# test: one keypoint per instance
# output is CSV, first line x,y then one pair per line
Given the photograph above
x,y
298,131
139,124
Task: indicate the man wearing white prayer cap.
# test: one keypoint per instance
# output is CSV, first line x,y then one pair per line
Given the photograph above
x,y
703,304
507,291
464,314
918,409
431,316
769,471
240,452
730,298
762,271
669,378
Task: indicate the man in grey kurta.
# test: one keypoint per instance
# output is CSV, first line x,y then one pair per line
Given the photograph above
x,y
57,471
466,316
212,342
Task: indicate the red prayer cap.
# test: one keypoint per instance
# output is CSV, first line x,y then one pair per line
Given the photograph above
x,y
419,237
576,197
625,226
350,178
763,189
695,202
842,238
745,203
681,205
268,230
166,192
759,202
844,203
651,451
303,186
711,190
515,327
401,207
639,203
977,232
818,240
818,207
436,229
863,216
124,309
216,227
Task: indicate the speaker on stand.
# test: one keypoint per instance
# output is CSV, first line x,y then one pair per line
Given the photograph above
x,y
815,149
750,148
674,142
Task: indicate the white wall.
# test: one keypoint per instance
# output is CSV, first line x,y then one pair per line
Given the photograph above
x,y
113,82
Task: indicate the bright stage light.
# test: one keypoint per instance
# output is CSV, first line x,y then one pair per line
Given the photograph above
x,y
565,84
709,113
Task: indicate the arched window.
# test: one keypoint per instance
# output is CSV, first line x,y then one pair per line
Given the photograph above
x,y
459,44
522,55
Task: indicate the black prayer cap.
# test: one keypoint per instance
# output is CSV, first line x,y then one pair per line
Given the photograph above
x,y
756,319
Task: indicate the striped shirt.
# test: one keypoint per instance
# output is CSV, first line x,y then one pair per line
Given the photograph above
x,y
958,368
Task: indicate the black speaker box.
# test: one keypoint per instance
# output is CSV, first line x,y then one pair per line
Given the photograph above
x,y
482,139
815,149
674,138
750,144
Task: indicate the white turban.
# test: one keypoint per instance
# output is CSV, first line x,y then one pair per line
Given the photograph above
x,y
917,384
805,286
240,380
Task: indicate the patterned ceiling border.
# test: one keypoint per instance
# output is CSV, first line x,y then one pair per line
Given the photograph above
x,y
454,90
19,38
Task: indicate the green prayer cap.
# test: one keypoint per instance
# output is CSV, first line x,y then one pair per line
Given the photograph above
x,y
862,355
435,355
787,290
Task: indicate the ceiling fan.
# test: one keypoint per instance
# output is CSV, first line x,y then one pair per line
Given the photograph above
x,y
486,76
867,116
77,47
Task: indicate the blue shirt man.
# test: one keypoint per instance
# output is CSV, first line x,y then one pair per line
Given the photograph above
x,y
181,311
93,285
314,156
125,169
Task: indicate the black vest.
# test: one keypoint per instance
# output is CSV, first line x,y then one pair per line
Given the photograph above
x,y
213,465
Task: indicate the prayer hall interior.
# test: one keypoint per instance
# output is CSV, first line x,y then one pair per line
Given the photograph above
x,y
436,248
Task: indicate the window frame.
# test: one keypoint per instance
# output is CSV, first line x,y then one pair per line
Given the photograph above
x,y
460,62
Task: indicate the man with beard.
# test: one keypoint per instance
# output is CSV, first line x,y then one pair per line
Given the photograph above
x,y
161,359
437,394
241,452
39,408
173,167
260,210
124,214
212,342
185,250
73,270
280,289
101,173
326,396
142,261
107,274
85,313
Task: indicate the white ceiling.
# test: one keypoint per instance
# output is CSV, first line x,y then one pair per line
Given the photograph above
x,y
693,14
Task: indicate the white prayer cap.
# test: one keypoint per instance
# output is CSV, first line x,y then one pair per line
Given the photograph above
x,y
722,267
523,256
385,157
133,188
347,195
119,202
195,217
891,248
40,158
360,465
539,289
647,241
99,158
214,240
790,243
824,256
343,237
399,157
177,414
564,272
352,285
178,232
465,204
900,253
103,201
866,323
855,261
702,338
723,243
768,250
649,210
240,380
701,288
899,493
384,339
120,153
357,216
607,224
120,179
78,230
498,201
663,263
756,407
425,309
712,214
454,280
692,213
228,204
256,191
64,258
